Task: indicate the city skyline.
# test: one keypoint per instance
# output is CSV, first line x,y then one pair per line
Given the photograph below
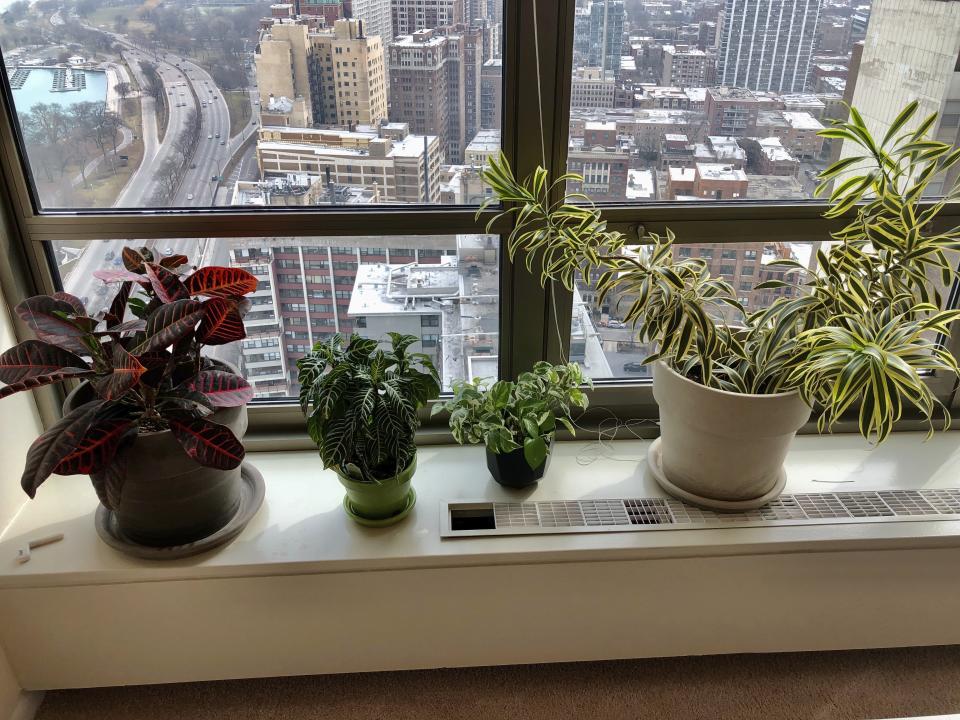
x,y
370,102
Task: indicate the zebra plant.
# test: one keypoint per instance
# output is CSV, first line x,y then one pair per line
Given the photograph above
x,y
857,330
361,404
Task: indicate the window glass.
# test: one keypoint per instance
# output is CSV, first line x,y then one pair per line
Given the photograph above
x,y
723,100
137,105
448,300
607,347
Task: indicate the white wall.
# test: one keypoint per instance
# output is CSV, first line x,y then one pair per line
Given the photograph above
x,y
19,425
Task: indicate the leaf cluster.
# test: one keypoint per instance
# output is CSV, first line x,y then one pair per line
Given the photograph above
x,y
859,326
507,416
142,358
361,403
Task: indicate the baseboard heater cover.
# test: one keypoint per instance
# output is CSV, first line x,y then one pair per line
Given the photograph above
x,y
484,517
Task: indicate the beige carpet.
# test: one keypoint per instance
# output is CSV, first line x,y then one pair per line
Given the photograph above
x,y
813,686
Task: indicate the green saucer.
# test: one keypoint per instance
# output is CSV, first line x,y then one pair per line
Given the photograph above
x,y
380,522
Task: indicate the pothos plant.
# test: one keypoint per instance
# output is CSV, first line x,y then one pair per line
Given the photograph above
x,y
143,359
362,402
861,324
508,416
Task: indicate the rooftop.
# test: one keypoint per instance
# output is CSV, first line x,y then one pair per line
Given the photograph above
x,y
485,141
720,171
640,185
802,121
686,175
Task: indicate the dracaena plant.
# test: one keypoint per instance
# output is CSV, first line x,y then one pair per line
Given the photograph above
x,y
508,416
858,328
361,403
143,360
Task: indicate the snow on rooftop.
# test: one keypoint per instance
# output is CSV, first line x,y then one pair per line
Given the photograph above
x,y
719,171
682,175
640,185
802,121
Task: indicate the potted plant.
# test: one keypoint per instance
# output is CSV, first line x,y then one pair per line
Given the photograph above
x,y
361,404
734,386
516,420
155,424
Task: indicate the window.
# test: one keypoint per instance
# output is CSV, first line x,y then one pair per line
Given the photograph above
x,y
321,198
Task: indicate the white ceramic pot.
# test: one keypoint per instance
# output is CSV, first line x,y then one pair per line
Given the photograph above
x,y
721,449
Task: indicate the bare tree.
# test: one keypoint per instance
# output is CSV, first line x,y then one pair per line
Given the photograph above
x,y
122,89
167,176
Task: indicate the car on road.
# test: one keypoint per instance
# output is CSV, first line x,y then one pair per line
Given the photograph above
x,y
616,324
209,137
117,261
635,367
214,178
189,196
254,122
110,255
193,166
223,142
167,250
218,134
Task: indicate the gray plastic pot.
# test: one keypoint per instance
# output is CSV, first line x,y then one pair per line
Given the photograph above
x,y
720,447
168,498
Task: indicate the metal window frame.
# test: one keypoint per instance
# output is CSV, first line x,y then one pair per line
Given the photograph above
x,y
534,322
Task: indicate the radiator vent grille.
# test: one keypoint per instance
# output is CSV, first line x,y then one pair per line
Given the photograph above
x,y
653,513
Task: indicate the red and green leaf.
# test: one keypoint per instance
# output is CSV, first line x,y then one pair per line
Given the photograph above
x,y
166,285
49,317
108,481
221,282
208,443
34,358
36,381
132,260
118,308
169,323
107,432
222,388
126,374
221,322
174,261
55,444
72,301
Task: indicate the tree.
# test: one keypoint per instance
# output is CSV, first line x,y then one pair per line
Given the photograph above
x,y
121,23
122,89
167,177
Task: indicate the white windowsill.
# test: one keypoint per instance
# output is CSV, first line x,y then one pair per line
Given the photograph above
x,y
302,529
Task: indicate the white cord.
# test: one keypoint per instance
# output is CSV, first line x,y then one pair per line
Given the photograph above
x,y
607,430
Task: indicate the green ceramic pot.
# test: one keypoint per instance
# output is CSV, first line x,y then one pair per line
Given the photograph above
x,y
382,503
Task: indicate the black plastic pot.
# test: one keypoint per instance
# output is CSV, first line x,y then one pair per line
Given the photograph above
x,y
168,498
511,469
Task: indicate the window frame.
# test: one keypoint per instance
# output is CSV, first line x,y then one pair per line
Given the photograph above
x,y
533,319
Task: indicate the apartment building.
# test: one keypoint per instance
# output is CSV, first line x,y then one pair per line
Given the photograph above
x,y
707,181
402,167
592,88
332,76
491,94
686,66
409,16
767,44
306,286
435,85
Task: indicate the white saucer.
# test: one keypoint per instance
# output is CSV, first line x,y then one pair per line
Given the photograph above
x,y
654,465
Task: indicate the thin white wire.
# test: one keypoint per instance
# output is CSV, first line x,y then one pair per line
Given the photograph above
x,y
609,427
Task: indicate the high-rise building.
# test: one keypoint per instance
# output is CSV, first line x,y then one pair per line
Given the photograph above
x,y
347,75
685,66
910,53
282,68
435,84
304,294
767,44
377,18
605,34
328,76
409,16
491,94
329,10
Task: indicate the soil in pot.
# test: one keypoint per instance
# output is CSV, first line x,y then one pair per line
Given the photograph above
x,y
512,470
381,503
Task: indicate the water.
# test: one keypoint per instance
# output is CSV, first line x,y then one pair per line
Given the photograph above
x,y
38,89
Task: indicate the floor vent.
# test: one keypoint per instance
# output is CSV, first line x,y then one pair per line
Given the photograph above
x,y
464,519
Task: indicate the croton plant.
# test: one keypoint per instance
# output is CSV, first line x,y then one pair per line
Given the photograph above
x,y
143,359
